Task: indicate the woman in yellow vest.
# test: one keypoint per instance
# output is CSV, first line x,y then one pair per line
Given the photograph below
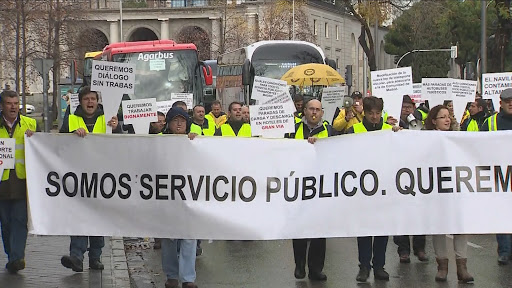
x,y
88,118
235,126
13,191
439,118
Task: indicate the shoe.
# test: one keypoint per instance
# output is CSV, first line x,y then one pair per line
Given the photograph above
x,y
363,274
380,274
199,251
172,283
95,264
300,270
72,263
442,270
15,266
317,276
503,260
422,256
404,258
158,244
462,271
189,285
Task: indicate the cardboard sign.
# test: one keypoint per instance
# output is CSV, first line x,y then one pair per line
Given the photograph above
x,y
164,106
391,85
73,102
332,98
140,113
416,93
112,80
266,88
272,120
188,98
463,91
436,90
7,150
493,84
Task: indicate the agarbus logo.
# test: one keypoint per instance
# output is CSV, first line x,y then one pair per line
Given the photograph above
x,y
156,55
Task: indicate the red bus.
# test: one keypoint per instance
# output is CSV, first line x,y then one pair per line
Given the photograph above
x,y
162,67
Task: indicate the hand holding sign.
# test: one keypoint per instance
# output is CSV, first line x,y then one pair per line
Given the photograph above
x,y
7,150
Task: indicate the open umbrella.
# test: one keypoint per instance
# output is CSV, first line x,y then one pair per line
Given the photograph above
x,y
312,74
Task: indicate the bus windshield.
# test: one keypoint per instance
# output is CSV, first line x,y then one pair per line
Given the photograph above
x,y
274,60
160,73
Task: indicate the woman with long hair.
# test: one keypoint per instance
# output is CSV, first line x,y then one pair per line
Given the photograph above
x,y
439,119
455,126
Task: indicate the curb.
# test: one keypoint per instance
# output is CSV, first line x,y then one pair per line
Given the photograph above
x,y
120,275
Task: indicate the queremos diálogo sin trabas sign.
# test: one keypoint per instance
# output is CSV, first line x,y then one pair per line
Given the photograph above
x,y
156,55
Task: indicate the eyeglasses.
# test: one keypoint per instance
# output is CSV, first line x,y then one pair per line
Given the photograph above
x,y
313,109
443,117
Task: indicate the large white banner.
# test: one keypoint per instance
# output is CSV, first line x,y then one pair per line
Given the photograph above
x,y
431,182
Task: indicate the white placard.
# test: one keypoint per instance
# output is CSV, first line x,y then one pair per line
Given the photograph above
x,y
436,90
332,98
391,85
284,97
272,120
188,98
74,101
7,153
266,88
112,80
157,64
493,84
416,93
140,113
164,106
463,91
173,187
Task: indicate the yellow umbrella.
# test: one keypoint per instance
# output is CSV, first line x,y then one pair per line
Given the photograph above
x,y
312,74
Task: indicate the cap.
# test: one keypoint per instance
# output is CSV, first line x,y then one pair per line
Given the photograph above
x,y
506,94
356,94
407,99
176,111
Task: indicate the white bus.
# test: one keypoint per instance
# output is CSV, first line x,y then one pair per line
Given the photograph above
x,y
272,59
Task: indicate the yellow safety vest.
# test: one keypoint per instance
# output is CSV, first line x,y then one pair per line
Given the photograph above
x,y
299,134
473,126
359,127
227,131
492,122
24,124
210,131
76,122
218,121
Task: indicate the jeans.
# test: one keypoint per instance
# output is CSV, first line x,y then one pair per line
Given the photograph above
x,y
504,241
78,246
404,244
13,219
182,265
378,248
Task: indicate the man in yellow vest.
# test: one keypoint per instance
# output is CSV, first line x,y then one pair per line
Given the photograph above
x,y
88,118
477,115
13,187
200,124
298,101
311,128
234,126
216,115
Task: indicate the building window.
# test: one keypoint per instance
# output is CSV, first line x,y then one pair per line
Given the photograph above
x,y
337,32
326,30
315,30
337,63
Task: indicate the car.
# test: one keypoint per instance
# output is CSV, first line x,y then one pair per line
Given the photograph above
x,y
30,108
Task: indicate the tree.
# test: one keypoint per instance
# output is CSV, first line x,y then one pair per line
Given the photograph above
x,y
500,43
277,20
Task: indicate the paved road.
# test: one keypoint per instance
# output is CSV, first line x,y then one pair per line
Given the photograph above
x,y
257,264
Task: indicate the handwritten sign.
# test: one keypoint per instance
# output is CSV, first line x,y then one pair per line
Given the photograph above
x,y
391,85
164,106
140,113
436,90
74,101
493,84
265,89
332,98
463,91
272,120
188,98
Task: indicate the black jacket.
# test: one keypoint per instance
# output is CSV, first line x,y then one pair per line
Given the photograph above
x,y
503,120
478,117
89,122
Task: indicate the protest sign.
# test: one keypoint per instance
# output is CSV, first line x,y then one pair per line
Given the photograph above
x,y
272,120
463,91
332,98
112,80
436,90
493,84
74,101
7,153
416,93
164,106
188,98
391,85
266,88
283,190
284,97
140,113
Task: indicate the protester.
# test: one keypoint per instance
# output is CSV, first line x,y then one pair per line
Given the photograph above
x,y
298,101
179,255
234,126
409,116
13,186
200,124
216,115
368,246
310,128
159,125
477,115
246,114
454,124
499,122
439,118
88,118
346,119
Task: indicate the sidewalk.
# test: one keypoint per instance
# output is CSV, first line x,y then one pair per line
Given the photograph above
x,y
43,269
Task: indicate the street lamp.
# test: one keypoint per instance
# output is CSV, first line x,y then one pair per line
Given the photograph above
x,y
452,49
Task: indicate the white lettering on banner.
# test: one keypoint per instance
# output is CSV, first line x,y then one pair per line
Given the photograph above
x,y
391,85
493,84
7,151
139,186
272,120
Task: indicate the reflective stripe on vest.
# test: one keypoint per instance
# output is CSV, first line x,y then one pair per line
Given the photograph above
x,y
227,131
300,132
19,153
493,125
76,122
473,126
359,127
